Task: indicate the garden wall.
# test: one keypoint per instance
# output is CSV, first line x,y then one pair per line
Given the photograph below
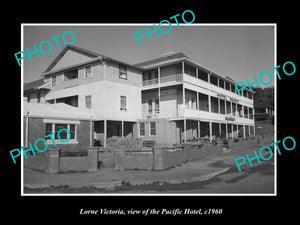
x,y
161,158
55,161
165,157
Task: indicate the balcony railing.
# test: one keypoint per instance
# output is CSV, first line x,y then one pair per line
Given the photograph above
x,y
153,82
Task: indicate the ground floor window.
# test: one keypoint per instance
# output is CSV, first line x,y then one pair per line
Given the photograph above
x,y
251,130
142,129
152,128
55,127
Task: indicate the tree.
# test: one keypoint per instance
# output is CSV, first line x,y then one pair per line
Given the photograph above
x,y
265,96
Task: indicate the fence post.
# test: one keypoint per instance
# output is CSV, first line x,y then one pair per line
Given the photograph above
x,y
158,159
92,158
119,156
53,161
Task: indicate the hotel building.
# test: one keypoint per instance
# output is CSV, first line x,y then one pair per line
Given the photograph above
x,y
170,99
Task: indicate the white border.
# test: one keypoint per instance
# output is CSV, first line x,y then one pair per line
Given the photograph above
x,y
151,24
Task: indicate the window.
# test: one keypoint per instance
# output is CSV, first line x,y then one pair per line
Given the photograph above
x,y
55,127
232,88
53,80
71,74
157,105
233,109
221,83
203,102
194,106
202,75
71,100
142,129
88,101
38,97
63,135
245,111
214,80
214,104
190,70
48,129
122,72
227,86
228,107
250,113
87,71
72,130
222,106
123,103
152,128
50,101
187,102
240,110
150,106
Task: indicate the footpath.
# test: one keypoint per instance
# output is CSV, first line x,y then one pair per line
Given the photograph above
x,y
108,178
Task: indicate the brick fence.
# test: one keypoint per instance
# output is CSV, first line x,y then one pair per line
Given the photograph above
x,y
55,161
139,158
162,158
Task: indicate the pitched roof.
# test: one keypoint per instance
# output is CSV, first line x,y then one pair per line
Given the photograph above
x,y
35,85
84,52
59,110
162,58
74,48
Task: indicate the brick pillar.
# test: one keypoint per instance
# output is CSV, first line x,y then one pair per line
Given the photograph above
x,y
119,156
158,159
92,158
219,147
53,161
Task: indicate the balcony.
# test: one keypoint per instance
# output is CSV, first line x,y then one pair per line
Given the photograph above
x,y
191,82
196,114
169,80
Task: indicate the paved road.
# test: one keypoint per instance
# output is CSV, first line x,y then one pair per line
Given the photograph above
x,y
259,179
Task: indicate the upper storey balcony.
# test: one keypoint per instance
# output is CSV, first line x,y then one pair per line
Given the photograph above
x,y
194,77
167,80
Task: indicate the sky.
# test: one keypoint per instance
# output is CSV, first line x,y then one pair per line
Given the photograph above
x,y
240,52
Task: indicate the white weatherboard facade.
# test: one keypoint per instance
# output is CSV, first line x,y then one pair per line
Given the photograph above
x,y
171,90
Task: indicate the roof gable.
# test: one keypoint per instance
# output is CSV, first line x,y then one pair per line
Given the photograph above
x,y
70,55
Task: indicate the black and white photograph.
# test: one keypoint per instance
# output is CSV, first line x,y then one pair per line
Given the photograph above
x,y
171,115
115,112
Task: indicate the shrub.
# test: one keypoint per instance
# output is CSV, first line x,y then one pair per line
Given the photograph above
x,y
127,143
